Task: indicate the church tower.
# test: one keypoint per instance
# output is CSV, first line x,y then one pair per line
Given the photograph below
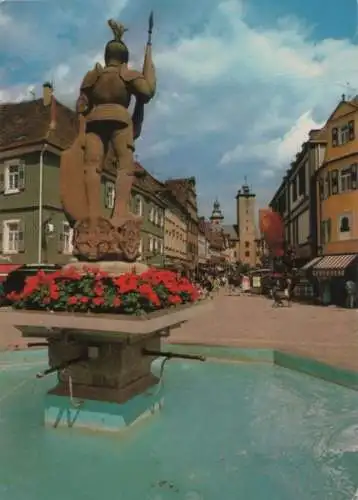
x,y
246,227
217,216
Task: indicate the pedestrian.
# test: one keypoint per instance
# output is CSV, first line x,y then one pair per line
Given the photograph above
x,y
275,292
351,291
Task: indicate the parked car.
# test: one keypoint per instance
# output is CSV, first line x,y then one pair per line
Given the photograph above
x,y
15,280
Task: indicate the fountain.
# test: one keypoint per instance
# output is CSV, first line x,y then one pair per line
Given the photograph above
x,y
103,360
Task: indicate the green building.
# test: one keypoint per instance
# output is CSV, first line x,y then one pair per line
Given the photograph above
x,y
33,227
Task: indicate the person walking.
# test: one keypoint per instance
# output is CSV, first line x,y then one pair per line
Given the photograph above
x,y
351,291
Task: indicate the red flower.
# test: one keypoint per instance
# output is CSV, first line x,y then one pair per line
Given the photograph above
x,y
54,293
174,299
116,302
84,300
71,301
98,301
99,290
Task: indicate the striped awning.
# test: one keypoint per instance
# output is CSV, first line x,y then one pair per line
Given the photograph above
x,y
333,265
311,263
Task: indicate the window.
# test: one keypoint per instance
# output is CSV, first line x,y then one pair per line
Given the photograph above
x,y
67,239
302,180
247,254
334,182
342,135
327,185
14,177
156,217
138,205
109,195
294,190
344,226
345,180
13,237
247,244
151,214
161,247
150,244
161,219
155,245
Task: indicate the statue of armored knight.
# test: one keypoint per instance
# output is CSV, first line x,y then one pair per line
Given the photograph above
x,y
105,123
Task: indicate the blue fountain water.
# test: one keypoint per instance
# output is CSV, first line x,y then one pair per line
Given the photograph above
x,y
227,431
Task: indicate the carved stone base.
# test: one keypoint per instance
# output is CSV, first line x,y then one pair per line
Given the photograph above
x,y
103,239
113,268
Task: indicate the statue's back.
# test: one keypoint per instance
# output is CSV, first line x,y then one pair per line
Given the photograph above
x,y
110,88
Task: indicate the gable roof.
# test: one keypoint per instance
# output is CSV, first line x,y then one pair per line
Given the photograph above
x,y
28,122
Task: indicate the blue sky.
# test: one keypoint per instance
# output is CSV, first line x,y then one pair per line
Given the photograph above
x,y
240,82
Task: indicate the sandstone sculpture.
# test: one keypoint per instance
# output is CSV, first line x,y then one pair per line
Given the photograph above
x,y
106,124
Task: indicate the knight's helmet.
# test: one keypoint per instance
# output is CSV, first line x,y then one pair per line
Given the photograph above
x,y
116,49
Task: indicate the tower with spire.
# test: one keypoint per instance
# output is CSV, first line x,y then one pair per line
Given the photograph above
x,y
217,216
246,226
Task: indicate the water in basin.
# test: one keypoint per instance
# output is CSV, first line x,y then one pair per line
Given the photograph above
x,y
227,431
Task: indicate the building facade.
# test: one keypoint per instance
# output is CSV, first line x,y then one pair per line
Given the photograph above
x,y
33,227
337,183
296,198
175,232
246,226
184,190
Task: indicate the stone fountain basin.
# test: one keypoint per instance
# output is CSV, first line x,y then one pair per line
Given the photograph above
x,y
103,327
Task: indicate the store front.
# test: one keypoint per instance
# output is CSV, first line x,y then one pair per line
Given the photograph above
x,y
332,272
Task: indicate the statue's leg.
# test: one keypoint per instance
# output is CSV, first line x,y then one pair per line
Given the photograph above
x,y
122,142
94,151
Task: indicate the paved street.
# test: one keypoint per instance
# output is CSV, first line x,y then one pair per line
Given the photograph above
x,y
327,334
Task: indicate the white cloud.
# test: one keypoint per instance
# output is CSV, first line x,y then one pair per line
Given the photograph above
x,y
276,153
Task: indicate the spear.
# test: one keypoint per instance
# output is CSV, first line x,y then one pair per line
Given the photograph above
x,y
149,75
150,28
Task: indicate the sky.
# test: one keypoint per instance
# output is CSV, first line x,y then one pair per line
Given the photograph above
x,y
240,82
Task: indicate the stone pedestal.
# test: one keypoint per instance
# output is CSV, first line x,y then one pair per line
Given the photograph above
x,y
110,390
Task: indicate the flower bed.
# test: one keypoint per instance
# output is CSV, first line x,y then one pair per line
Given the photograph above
x,y
96,291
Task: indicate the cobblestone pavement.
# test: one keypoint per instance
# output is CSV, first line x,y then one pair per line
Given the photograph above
x,y
327,334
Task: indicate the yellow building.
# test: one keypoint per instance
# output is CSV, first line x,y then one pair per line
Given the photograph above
x,y
337,183
175,236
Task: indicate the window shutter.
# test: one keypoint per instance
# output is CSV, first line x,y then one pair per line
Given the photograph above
x,y
22,236
2,178
334,137
351,130
354,176
329,185
22,175
1,238
334,181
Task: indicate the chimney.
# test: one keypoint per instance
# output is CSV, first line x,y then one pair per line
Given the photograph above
x,y
47,93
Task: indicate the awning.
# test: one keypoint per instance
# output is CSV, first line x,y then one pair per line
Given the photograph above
x,y
333,265
311,263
